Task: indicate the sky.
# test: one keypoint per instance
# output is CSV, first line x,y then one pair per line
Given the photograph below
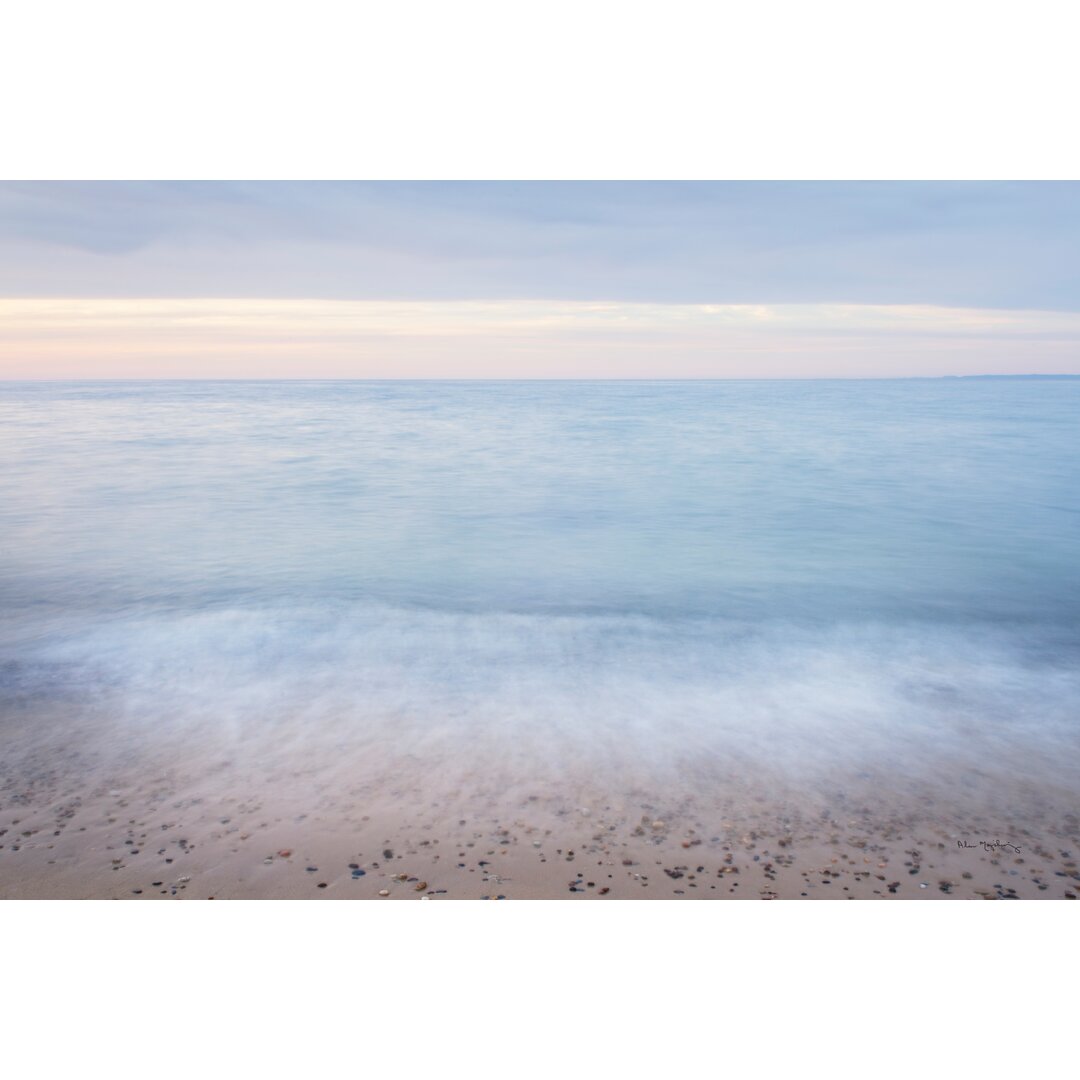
x,y
538,280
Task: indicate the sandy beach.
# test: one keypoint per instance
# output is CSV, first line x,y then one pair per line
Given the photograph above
x,y
230,832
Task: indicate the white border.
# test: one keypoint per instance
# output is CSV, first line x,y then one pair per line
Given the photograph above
x,y
582,89
538,989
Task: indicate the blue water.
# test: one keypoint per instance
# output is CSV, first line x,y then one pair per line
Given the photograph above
x,y
813,573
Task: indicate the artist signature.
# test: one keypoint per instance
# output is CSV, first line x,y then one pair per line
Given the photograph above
x,y
989,845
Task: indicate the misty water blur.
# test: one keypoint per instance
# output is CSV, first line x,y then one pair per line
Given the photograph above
x,y
645,580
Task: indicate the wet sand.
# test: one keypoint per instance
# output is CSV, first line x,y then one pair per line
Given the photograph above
x,y
229,831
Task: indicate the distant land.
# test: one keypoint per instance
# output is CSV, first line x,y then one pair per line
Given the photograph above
x,y
1009,376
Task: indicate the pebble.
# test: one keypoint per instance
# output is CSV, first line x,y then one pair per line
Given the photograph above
x,y
384,892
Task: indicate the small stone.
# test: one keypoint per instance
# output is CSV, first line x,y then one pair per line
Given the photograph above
x,y
284,853
384,892
420,886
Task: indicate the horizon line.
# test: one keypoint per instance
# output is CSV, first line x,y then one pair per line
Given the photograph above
x,y
1036,376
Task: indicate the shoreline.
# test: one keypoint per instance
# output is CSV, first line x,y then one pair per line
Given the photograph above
x,y
166,838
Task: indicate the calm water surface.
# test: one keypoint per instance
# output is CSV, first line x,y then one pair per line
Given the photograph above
x,y
816,573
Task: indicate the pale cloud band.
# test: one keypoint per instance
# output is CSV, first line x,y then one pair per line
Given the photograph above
x,y
296,338
538,280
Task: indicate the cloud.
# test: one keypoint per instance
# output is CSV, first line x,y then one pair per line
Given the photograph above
x,y
975,245
264,338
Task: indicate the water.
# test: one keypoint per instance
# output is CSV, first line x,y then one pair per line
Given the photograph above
x,y
652,582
